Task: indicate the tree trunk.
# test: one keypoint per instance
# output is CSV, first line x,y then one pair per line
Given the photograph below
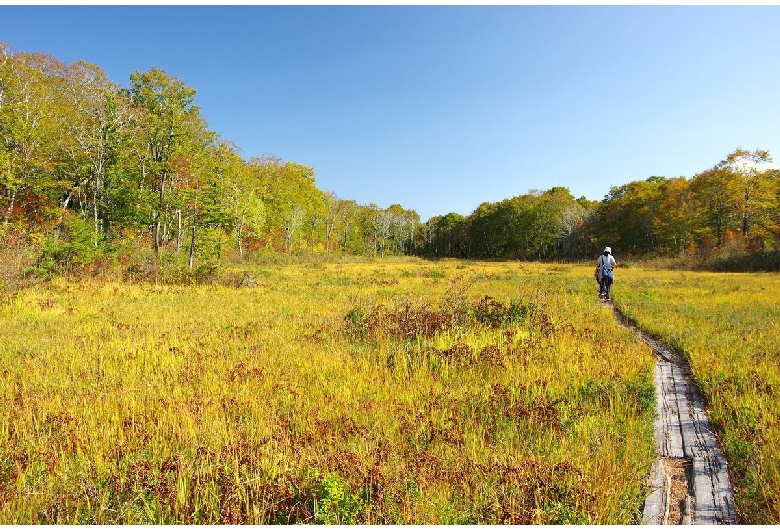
x,y
192,242
159,214
179,235
95,218
239,229
157,236
346,234
10,208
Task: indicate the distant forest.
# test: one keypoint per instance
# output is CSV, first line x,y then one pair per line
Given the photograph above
x,y
92,171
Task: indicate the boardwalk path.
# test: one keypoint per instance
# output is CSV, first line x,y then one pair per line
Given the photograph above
x,y
690,482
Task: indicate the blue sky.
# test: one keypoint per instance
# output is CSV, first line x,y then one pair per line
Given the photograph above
x,y
442,108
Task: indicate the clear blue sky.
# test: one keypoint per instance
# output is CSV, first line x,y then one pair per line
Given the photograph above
x,y
442,108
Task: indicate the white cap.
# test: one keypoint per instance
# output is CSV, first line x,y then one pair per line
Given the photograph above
x,y
608,250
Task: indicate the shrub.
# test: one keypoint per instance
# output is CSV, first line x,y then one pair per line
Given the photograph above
x,y
72,243
334,504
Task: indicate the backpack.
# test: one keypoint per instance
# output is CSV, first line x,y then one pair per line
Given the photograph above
x,y
607,274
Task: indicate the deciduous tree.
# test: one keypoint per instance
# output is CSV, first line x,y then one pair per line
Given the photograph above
x,y
171,119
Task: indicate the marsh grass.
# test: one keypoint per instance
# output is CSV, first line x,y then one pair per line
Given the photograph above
x,y
373,392
728,326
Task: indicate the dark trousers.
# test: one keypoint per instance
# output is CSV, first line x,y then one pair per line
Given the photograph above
x,y
605,287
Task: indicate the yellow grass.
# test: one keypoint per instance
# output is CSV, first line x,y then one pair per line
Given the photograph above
x,y
156,404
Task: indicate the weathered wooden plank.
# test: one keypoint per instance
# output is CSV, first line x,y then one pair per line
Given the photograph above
x,y
657,503
668,433
712,491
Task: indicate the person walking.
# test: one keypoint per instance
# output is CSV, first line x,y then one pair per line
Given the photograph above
x,y
604,273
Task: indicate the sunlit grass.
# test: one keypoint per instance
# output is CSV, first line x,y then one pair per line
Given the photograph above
x,y
128,403
728,326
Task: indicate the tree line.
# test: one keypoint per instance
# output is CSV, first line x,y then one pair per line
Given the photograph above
x,y
725,213
88,167
85,163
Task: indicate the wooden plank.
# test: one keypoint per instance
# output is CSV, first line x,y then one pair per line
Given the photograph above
x,y
668,432
656,505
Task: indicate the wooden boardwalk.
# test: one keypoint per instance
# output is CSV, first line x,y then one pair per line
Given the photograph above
x,y
689,481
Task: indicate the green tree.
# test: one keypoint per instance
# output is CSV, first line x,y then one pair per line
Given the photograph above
x,y
754,189
675,220
716,199
28,133
347,217
626,216
170,121
291,197
242,195
402,227
94,125
452,236
484,230
210,197
555,218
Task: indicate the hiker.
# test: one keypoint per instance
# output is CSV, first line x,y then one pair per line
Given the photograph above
x,y
604,274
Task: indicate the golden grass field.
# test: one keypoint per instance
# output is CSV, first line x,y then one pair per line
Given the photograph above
x,y
394,391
